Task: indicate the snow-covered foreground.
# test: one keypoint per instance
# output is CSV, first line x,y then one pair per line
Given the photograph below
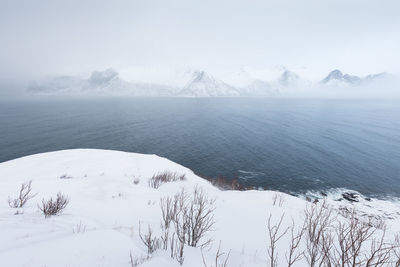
x,y
109,195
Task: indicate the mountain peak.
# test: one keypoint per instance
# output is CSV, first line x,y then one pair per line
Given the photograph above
x,y
102,77
337,76
205,85
200,76
288,77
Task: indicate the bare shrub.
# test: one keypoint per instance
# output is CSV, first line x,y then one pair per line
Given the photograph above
x,y
174,208
185,221
149,240
165,177
351,235
396,251
351,242
274,199
136,261
180,223
274,235
294,254
348,241
380,253
136,180
53,207
178,249
278,198
318,223
168,213
360,244
200,217
218,256
194,217
25,194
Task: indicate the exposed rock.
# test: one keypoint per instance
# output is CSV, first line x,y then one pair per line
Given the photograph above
x,y
352,197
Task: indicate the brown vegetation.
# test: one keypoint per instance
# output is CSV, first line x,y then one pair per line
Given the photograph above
x,y
225,183
53,207
165,177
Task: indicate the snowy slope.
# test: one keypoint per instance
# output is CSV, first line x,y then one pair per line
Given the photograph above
x,y
109,195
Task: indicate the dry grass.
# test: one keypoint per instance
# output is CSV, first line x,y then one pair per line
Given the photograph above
x,y
225,183
53,207
165,177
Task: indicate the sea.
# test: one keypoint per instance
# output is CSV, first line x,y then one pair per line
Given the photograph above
x,y
291,145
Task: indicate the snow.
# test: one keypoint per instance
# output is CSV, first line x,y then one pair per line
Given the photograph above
x,y
105,201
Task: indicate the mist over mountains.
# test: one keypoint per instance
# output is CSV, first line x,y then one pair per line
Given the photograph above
x,y
336,77
199,83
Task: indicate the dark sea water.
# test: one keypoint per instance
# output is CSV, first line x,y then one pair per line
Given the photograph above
x,y
293,145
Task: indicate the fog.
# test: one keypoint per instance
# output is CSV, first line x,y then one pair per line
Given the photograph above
x,y
145,38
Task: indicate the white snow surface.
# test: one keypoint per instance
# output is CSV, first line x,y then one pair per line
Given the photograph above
x,y
106,201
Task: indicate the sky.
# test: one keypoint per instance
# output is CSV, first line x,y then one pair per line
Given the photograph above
x,y
51,37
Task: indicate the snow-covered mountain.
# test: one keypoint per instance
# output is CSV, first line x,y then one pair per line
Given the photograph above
x,y
205,85
288,78
337,78
199,83
377,76
105,82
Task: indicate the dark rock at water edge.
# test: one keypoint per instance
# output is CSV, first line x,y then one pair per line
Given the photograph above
x,y
323,194
352,197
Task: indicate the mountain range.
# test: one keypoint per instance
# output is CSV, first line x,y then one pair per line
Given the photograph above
x,y
199,84
336,77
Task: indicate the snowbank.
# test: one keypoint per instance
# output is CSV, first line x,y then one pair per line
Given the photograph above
x,y
109,195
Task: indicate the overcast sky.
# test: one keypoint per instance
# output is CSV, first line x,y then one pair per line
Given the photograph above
x,y
66,37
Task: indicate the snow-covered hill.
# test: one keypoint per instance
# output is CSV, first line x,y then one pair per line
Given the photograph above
x,y
110,197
